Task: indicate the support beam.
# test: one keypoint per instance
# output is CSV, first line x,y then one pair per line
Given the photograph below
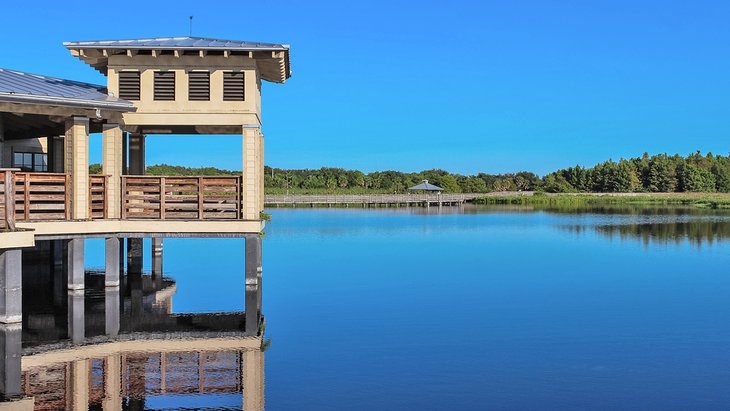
x,y
76,264
10,356
252,160
111,267
11,275
76,163
112,166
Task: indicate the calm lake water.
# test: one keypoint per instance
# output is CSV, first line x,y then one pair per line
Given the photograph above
x,y
501,308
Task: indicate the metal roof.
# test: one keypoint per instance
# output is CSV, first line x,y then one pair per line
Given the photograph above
x,y
20,87
425,185
187,42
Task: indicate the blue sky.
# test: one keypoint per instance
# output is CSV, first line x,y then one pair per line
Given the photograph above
x,y
467,86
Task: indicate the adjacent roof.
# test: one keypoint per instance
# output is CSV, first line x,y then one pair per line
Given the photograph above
x,y
273,58
20,87
425,185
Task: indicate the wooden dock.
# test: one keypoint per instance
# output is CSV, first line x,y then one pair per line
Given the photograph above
x,y
377,200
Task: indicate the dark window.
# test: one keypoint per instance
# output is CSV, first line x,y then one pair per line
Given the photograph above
x,y
199,86
165,85
233,86
30,161
129,85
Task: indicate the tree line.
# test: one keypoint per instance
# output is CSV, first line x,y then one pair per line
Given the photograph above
x,y
657,173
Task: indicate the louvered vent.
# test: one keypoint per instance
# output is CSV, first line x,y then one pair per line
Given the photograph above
x,y
233,86
129,85
165,85
199,86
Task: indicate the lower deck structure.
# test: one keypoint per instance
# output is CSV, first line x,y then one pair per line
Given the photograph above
x,y
108,339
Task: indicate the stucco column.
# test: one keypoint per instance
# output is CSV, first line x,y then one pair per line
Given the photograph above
x,y
10,286
112,383
111,165
10,356
80,385
76,264
261,172
76,163
252,172
111,267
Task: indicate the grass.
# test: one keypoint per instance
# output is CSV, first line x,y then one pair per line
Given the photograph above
x,y
700,200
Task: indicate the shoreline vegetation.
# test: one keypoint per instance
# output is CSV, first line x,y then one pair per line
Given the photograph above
x,y
699,200
644,179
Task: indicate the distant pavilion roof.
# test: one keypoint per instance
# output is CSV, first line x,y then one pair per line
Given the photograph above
x,y
96,53
425,185
20,87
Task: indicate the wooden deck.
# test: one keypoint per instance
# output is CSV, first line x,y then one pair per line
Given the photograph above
x,y
43,197
294,200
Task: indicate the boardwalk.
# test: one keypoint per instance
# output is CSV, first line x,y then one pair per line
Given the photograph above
x,y
293,200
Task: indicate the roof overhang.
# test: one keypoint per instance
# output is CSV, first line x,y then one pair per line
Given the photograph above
x,y
272,59
119,105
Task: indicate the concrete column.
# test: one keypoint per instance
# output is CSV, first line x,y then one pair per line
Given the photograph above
x,y
136,294
111,267
111,311
76,264
253,289
112,166
156,258
253,380
136,154
11,275
76,323
59,271
251,172
10,355
134,255
76,163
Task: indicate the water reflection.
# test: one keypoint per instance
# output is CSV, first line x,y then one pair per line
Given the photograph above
x,y
120,347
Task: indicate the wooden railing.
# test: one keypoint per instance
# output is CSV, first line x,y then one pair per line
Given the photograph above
x,y
7,201
42,196
97,197
181,198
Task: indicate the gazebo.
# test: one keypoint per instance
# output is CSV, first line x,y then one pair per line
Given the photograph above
x,y
426,186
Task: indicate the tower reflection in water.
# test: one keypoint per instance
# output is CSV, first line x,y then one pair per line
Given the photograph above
x,y
121,348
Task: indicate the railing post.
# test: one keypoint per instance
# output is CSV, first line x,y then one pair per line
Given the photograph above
x,y
9,200
26,197
162,198
200,198
123,198
67,195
